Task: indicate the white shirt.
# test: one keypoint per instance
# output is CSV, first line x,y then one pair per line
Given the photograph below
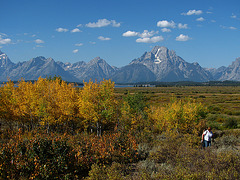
x,y
207,135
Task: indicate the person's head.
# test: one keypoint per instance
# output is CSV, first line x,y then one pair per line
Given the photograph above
x,y
209,128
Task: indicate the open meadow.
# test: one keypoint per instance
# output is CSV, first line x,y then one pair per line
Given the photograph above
x,y
223,102
52,130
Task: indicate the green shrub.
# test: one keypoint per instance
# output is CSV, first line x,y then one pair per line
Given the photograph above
x,y
214,125
143,150
165,149
148,166
216,117
102,172
226,141
193,163
231,123
214,109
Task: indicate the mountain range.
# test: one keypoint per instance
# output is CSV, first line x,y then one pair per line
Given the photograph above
x,y
160,64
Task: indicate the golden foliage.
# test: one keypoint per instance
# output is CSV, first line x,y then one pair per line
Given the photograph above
x,y
183,116
49,102
97,103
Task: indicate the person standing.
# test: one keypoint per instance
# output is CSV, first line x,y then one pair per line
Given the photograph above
x,y
207,137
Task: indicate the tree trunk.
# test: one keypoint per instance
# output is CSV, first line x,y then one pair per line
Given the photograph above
x,y
99,129
47,128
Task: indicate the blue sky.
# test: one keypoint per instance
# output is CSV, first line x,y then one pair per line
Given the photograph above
x,y
203,31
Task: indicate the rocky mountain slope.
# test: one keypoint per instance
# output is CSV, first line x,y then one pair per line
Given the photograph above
x,y
160,64
167,66
232,72
96,69
32,69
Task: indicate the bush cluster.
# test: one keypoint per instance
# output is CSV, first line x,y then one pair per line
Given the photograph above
x,y
52,156
177,157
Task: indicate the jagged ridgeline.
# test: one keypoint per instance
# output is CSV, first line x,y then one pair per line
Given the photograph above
x,y
160,64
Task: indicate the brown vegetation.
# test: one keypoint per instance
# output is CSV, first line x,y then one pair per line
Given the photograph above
x,y
51,129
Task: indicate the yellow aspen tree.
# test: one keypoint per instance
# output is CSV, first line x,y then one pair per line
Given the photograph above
x,y
97,104
182,116
46,91
50,98
21,110
8,104
41,87
40,102
57,102
65,102
27,101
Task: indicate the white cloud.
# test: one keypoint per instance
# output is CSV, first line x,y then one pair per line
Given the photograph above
x,y
166,24
200,19
182,26
147,34
145,37
192,12
75,51
39,41
150,40
61,30
144,34
39,46
3,34
103,23
104,38
79,44
130,33
100,23
231,27
76,30
92,42
115,24
5,41
182,37
234,16
80,25
166,30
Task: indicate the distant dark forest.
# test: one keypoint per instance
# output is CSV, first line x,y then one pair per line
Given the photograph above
x,y
167,84
191,83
